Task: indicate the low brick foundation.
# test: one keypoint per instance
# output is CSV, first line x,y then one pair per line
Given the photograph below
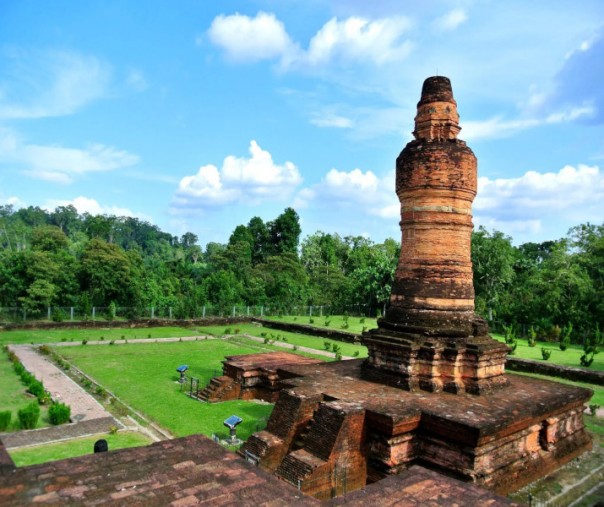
x,y
331,426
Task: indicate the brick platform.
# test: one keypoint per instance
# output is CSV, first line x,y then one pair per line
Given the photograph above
x,y
196,471
331,419
251,376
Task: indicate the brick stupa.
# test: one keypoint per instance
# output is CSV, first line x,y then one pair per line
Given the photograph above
x,y
430,337
433,390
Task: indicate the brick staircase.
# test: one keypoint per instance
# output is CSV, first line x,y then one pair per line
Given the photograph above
x,y
221,388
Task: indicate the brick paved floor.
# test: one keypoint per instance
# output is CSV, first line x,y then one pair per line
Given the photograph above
x,y
83,406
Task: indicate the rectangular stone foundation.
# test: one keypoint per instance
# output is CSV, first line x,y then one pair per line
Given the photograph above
x,y
500,441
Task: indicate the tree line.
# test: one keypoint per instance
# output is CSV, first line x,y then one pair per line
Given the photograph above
x,y
62,258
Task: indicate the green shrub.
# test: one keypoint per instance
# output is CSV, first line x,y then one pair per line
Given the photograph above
x,y
111,342
311,320
58,315
326,345
37,389
28,416
545,353
338,356
565,336
44,349
327,321
228,330
362,320
84,341
5,418
532,337
590,347
59,413
592,409
355,354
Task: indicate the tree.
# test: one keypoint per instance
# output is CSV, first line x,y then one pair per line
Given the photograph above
x,y
493,263
48,238
260,240
284,233
106,274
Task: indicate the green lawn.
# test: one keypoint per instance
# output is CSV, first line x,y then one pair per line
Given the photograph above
x,y
568,357
75,447
13,394
144,376
314,342
77,335
355,324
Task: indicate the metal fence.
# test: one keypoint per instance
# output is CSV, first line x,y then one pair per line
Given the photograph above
x,y
16,314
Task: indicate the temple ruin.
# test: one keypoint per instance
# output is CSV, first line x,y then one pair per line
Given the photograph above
x,y
433,391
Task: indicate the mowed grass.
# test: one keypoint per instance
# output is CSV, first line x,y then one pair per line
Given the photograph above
x,y
335,322
304,340
97,333
14,396
569,357
144,376
75,447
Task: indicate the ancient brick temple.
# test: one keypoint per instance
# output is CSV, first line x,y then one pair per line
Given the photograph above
x,y
433,391
430,337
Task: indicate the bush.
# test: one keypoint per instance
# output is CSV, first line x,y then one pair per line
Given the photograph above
x,y
592,409
44,349
355,353
326,345
58,315
37,389
59,413
362,320
228,330
84,341
5,418
590,347
545,353
28,416
327,321
565,336
111,342
532,337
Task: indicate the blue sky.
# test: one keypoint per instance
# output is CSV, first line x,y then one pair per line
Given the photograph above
x,y
199,115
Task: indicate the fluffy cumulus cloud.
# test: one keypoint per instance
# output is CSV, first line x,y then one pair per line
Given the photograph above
x,y
59,164
247,39
364,192
354,39
92,206
44,84
524,204
239,180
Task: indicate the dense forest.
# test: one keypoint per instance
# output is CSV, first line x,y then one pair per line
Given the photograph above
x,y
62,259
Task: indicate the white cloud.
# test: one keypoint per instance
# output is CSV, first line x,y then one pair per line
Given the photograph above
x,y
331,120
59,164
358,39
525,204
92,206
498,127
242,180
353,39
451,20
247,39
50,83
363,191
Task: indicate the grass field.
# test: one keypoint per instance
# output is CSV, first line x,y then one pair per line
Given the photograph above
x,y
75,447
336,322
304,340
77,335
14,396
144,376
568,357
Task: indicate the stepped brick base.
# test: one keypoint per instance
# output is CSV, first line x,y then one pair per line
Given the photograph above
x,y
414,361
333,431
251,377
